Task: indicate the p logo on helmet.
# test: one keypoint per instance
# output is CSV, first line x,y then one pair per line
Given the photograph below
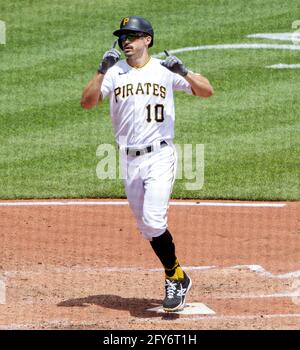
x,y
125,21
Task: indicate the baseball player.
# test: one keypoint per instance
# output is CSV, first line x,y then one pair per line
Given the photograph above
x,y
140,90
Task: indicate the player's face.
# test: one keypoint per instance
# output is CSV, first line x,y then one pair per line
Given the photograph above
x,y
133,43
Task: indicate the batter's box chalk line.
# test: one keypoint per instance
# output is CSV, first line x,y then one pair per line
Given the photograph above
x,y
189,309
116,203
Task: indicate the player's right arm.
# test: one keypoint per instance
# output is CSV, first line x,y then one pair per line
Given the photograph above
x,y
92,93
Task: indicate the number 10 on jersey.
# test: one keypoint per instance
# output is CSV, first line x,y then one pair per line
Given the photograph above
x,y
155,112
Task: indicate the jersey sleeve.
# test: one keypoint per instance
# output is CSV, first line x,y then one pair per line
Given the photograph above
x,y
180,84
107,85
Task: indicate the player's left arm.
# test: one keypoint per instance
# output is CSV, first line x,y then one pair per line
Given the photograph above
x,y
200,85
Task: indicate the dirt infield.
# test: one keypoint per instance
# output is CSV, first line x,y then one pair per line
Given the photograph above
x,y
79,266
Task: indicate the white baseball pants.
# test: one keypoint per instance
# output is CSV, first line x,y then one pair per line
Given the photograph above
x,y
149,180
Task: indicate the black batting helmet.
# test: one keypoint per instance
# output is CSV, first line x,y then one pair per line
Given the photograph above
x,y
134,24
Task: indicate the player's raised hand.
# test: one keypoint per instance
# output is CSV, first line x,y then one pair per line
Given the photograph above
x,y
110,58
174,64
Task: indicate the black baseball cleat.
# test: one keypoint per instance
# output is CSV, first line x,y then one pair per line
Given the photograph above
x,y
176,292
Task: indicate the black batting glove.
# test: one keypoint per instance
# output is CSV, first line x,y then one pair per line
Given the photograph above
x,y
175,65
110,58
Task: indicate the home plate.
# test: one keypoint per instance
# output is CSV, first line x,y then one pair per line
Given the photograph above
x,y
189,309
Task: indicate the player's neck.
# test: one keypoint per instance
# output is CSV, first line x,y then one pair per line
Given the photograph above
x,y
139,62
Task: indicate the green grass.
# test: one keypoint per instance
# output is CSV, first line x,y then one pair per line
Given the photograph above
x,y
250,127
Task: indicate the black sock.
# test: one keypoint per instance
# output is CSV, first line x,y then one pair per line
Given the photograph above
x,y
164,248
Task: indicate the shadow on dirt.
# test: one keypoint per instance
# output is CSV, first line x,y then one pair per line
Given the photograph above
x,y
136,307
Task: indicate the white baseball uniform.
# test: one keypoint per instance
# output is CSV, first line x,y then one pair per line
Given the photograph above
x,y
143,114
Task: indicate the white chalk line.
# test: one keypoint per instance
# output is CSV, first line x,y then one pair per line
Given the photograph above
x,y
231,47
295,294
93,270
253,268
284,66
275,36
172,203
260,270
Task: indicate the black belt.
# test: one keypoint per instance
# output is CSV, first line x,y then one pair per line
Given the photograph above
x,y
133,151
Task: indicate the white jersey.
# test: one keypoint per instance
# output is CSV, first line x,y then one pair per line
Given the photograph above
x,y
141,101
